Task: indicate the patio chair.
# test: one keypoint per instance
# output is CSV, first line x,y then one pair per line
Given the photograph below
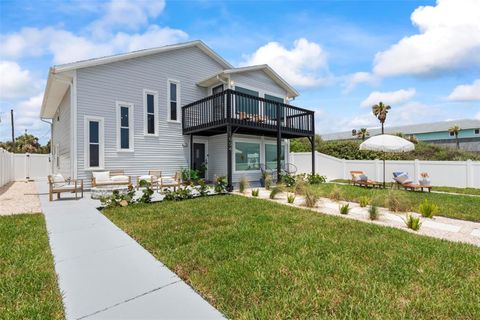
x,y
171,182
153,178
402,180
361,179
58,184
110,178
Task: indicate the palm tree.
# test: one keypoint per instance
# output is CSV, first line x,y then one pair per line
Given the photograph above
x,y
455,130
380,111
363,133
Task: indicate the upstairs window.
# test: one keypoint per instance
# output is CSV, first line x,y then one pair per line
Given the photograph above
x,y
245,104
150,102
125,126
173,100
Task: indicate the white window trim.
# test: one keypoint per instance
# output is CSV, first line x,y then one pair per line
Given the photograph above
x,y
179,101
234,160
155,112
119,104
101,142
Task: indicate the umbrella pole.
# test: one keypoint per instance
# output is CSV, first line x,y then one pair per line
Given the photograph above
x,y
383,170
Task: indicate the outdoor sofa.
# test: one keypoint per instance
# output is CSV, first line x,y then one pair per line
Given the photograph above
x,y
110,178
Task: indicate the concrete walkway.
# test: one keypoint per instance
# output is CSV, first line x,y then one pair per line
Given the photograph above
x,y
105,274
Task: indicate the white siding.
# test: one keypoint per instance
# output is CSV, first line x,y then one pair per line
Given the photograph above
x,y
61,138
258,79
98,88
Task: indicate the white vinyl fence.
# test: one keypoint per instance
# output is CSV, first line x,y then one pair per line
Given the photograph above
x,y
442,173
23,166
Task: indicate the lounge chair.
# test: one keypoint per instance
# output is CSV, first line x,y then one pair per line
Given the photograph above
x,y
110,178
402,180
58,184
168,182
360,178
153,178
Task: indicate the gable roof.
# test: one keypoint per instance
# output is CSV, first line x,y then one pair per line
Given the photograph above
x,y
291,91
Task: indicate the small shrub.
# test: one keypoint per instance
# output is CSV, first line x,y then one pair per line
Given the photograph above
x,y
287,179
119,199
190,176
146,193
344,208
300,186
396,201
413,222
291,198
221,184
255,192
311,198
202,188
243,184
373,212
427,209
268,181
180,194
336,193
316,178
364,201
276,190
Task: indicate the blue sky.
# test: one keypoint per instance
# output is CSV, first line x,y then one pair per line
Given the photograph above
x,y
421,57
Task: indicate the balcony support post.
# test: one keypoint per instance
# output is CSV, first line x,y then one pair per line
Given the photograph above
x,y
191,151
229,142
279,143
313,143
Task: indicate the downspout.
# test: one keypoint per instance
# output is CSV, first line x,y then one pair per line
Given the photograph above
x,y
51,135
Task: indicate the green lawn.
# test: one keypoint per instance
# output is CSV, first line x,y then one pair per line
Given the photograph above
x,y
28,284
472,191
452,206
255,259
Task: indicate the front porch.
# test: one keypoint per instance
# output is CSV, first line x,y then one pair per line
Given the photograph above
x,y
231,112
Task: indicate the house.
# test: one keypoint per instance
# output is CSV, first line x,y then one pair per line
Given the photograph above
x,y
170,108
434,132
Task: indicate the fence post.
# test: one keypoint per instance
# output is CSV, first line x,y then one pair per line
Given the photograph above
x,y
378,169
416,170
469,170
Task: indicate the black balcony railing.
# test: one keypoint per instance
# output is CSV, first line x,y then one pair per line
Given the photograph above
x,y
246,111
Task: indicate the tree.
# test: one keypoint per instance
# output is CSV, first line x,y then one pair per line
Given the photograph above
x,y
363,133
303,144
380,111
26,143
455,130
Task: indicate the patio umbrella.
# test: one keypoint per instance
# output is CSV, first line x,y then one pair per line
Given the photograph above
x,y
387,143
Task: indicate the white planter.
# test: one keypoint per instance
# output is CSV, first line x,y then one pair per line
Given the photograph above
x,y
424,182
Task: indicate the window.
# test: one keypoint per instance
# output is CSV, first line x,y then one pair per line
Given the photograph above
x,y
94,142
271,156
150,103
247,156
477,131
124,126
174,100
271,108
244,104
452,134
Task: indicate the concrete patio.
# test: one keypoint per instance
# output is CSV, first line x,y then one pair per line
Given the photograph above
x,y
104,273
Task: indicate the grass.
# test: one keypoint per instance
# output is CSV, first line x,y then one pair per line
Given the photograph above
x,y
28,284
471,191
452,206
255,259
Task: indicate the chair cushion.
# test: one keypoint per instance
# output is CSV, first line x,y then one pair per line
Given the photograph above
x,y
396,174
119,178
148,177
101,176
356,176
402,178
363,177
58,180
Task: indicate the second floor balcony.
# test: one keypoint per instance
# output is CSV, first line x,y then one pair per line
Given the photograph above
x,y
246,114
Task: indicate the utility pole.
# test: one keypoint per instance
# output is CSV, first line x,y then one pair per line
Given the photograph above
x,y
13,131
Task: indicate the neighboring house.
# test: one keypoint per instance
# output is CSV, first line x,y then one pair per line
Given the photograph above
x,y
435,132
170,108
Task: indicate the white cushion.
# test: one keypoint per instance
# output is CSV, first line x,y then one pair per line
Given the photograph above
x,y
119,178
58,178
147,177
402,178
356,176
101,176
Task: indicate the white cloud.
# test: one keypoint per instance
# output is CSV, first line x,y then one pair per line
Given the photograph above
x,y
126,14
15,82
448,39
477,116
351,81
27,114
304,65
466,92
392,97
